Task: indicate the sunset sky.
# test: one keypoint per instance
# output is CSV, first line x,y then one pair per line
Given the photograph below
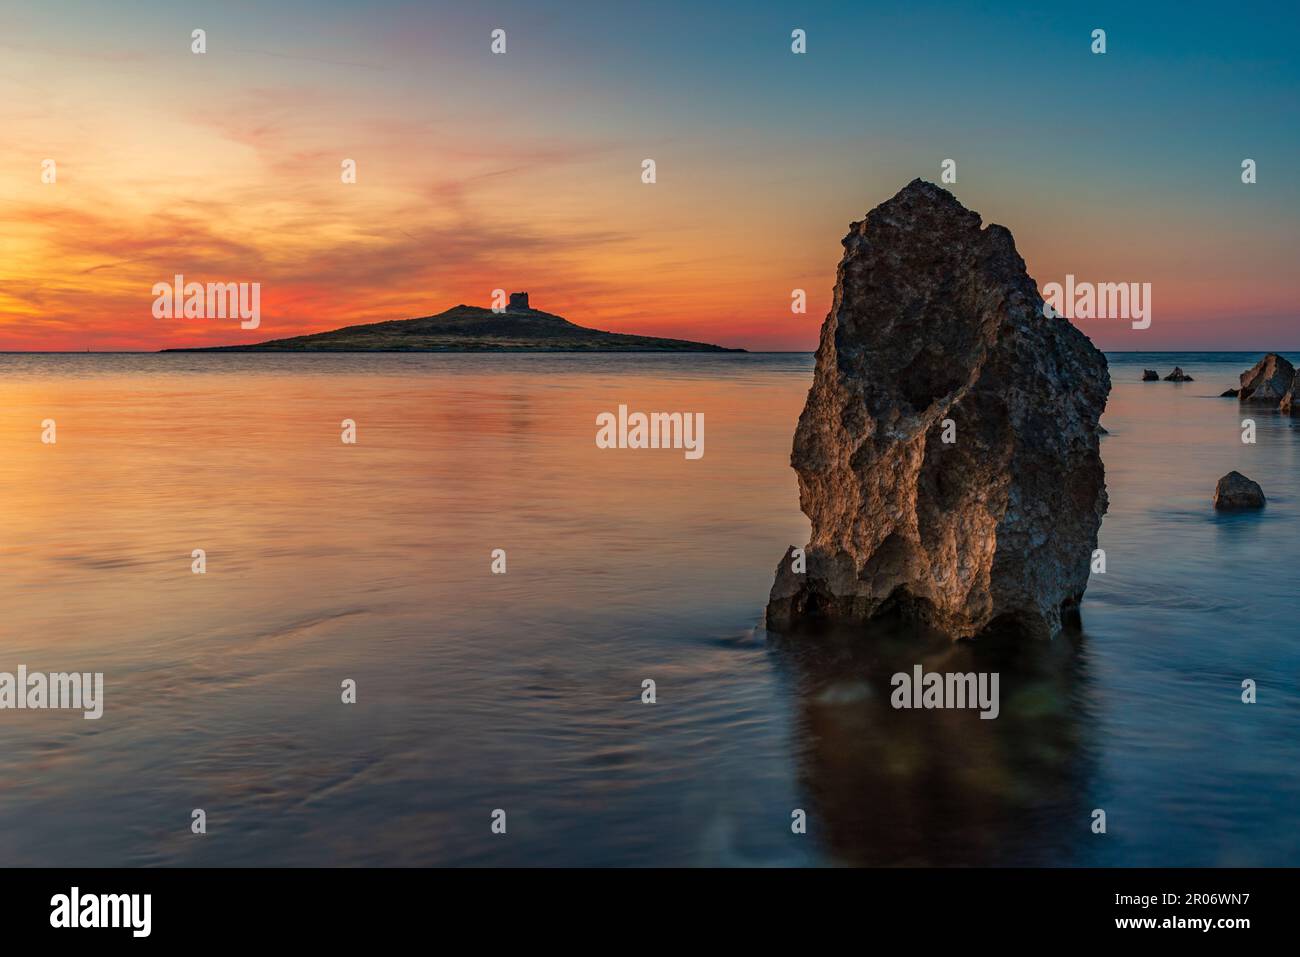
x,y
522,171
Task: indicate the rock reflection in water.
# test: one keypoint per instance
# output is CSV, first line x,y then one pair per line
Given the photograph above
x,y
886,786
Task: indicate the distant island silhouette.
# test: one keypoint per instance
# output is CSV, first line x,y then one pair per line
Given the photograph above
x,y
519,328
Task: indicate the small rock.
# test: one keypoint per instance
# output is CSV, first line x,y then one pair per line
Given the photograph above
x,y
1267,381
1229,394
1150,375
1288,405
1178,375
1235,491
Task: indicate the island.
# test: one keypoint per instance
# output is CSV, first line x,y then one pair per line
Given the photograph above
x,y
518,328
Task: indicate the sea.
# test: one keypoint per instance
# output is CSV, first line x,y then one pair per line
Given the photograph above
x,y
471,637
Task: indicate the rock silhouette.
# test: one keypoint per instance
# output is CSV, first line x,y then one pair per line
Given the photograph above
x,y
1178,375
948,452
1150,375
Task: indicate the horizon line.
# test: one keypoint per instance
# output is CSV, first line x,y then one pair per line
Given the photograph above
x,y
236,350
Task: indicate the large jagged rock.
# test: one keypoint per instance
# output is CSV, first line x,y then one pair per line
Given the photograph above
x,y
1267,381
937,331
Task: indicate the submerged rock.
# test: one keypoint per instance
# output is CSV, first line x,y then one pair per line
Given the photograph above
x,y
1267,381
1228,394
1150,375
1235,492
948,452
1178,375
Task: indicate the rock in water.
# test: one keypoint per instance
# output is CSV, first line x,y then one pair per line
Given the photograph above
x,y
1178,375
948,453
1289,405
1267,381
1235,492
1150,375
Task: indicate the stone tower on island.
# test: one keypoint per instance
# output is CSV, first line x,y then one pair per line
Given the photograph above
x,y
518,302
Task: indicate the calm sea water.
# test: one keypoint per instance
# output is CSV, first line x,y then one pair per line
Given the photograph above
x,y
523,691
